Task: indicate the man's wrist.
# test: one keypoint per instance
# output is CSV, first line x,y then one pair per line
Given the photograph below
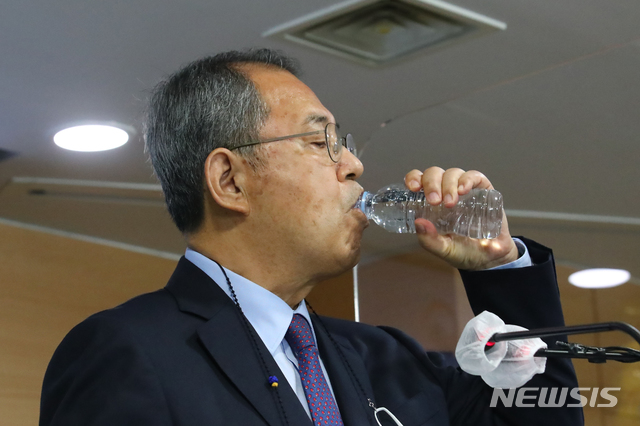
x,y
511,256
523,260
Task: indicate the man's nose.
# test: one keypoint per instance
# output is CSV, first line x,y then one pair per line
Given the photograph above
x,y
349,167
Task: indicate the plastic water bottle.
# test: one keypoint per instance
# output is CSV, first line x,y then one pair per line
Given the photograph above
x,y
478,214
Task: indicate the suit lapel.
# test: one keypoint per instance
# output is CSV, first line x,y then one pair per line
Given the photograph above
x,y
353,404
228,342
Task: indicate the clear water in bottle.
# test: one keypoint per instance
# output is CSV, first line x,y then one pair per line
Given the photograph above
x,y
478,214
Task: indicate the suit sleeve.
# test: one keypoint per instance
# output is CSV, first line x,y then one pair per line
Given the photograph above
x,y
528,297
99,376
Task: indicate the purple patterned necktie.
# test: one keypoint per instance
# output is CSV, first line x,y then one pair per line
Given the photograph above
x,y
322,406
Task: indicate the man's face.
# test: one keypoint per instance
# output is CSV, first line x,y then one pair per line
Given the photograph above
x,y
302,199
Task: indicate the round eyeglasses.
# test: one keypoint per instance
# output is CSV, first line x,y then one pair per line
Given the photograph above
x,y
335,141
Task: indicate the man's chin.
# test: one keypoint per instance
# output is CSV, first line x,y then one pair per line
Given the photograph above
x,y
346,262
360,216
353,257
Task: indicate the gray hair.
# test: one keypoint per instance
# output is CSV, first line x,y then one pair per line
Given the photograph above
x,y
208,104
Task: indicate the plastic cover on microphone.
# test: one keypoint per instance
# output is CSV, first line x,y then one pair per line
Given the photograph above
x,y
507,364
470,351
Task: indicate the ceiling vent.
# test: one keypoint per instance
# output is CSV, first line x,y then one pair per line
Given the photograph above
x,y
381,32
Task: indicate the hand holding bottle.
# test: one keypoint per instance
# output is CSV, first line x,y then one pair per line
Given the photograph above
x,y
460,252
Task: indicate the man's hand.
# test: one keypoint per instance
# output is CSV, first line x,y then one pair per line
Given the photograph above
x,y
460,252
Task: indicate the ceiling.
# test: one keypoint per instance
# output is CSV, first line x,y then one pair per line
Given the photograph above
x,y
548,110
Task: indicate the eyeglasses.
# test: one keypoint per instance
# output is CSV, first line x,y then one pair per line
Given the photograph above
x,y
335,141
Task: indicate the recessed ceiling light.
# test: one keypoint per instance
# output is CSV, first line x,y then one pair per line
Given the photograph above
x,y
91,137
599,278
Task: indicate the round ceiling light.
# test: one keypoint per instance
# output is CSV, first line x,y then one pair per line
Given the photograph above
x,y
91,137
599,278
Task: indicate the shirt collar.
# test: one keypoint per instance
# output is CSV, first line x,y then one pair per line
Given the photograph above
x,y
269,315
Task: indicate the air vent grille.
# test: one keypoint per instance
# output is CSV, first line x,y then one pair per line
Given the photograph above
x,y
381,32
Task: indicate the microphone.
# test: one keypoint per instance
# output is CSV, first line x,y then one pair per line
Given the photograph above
x,y
508,356
576,350
501,364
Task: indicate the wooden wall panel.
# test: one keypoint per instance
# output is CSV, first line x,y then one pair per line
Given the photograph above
x,y
415,293
48,284
334,297
582,306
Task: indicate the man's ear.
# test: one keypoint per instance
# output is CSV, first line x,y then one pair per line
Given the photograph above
x,y
226,176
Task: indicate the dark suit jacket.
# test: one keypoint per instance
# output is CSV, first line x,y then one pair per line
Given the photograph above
x,y
183,356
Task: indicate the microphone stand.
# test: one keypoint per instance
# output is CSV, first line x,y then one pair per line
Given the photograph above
x,y
575,350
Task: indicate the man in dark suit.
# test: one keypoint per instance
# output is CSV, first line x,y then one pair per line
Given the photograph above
x,y
262,184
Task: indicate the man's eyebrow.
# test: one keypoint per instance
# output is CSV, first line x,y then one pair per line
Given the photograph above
x,y
316,118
